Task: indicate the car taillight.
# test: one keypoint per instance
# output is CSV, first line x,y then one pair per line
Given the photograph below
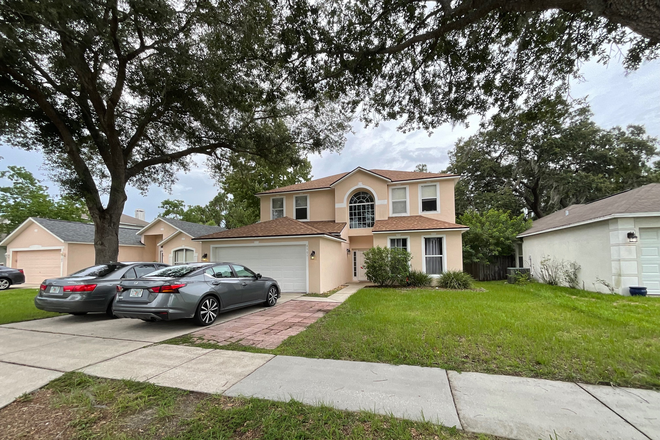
x,y
43,287
80,288
167,288
21,271
119,289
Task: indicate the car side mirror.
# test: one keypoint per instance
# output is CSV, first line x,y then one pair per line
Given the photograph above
x,y
258,276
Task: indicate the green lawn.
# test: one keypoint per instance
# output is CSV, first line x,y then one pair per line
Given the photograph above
x,y
18,305
533,331
83,407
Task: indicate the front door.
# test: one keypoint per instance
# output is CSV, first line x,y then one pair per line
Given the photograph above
x,y
359,272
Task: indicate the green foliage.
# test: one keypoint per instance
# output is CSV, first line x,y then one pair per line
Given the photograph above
x,y
242,178
492,234
125,94
177,209
522,278
548,156
417,278
422,168
387,266
27,197
455,279
428,63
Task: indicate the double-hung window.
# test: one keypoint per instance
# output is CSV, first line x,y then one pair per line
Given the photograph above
x,y
276,207
399,243
399,200
302,207
433,256
429,197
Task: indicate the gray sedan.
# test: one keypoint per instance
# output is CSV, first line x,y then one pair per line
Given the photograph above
x,y
9,276
200,291
89,290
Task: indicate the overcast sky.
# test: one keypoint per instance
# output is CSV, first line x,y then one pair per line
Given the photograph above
x,y
615,99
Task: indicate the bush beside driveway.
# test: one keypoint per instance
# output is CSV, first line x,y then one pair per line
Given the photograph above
x,y
532,331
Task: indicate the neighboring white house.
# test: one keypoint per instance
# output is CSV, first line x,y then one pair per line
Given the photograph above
x,y
616,241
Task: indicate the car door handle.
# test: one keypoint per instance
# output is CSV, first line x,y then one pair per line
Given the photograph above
x,y
244,283
215,283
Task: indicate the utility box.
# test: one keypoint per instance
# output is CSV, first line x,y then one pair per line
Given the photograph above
x,y
513,272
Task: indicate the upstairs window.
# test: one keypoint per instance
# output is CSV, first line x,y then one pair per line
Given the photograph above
x,y
361,212
276,207
302,208
429,196
399,198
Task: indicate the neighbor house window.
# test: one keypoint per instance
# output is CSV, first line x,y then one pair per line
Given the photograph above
x,y
399,243
399,201
302,208
361,210
429,196
433,255
182,256
276,207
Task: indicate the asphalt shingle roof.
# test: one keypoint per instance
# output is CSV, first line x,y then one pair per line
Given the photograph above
x,y
84,232
643,199
413,223
326,182
193,229
281,227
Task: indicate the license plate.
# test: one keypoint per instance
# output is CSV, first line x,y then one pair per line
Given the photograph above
x,y
55,289
135,293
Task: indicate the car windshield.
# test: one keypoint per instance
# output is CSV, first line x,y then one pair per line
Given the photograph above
x,y
100,270
173,271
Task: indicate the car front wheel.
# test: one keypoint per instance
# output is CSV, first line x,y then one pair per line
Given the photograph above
x,y
4,283
271,297
207,311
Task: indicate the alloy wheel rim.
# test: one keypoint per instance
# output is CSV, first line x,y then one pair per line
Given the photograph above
x,y
4,284
272,295
209,310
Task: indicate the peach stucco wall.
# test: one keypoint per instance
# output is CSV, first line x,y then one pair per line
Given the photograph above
x,y
453,247
181,241
321,205
446,208
34,236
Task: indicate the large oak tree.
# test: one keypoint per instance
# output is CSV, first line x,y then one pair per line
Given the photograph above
x,y
431,62
124,93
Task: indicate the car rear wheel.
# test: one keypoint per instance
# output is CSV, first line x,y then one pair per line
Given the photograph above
x,y
271,296
4,283
207,311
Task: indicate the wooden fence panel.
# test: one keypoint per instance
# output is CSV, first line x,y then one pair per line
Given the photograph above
x,y
490,272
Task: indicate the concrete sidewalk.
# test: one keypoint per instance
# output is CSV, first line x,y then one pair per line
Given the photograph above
x,y
511,407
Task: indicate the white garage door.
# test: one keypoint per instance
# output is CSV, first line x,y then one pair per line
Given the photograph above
x,y
649,240
286,264
38,265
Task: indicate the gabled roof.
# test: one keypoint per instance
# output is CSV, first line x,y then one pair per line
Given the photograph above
x,y
281,227
642,201
132,221
414,223
189,228
330,181
75,232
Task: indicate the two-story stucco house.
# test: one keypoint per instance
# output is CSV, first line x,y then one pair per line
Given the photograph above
x,y
312,236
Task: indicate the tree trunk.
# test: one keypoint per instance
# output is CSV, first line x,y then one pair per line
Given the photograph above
x,y
106,225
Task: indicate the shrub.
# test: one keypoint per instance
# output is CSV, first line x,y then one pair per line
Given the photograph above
x,y
387,267
454,279
571,270
417,278
559,272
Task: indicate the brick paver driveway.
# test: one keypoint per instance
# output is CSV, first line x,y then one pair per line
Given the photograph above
x,y
269,328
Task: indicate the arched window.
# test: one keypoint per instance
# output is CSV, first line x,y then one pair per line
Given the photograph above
x,y
361,210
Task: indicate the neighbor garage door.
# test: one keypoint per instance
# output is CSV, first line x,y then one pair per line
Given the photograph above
x,y
286,264
38,265
649,245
